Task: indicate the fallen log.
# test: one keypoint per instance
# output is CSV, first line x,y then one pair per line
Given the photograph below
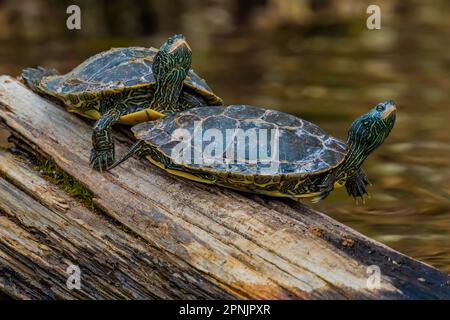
x,y
152,235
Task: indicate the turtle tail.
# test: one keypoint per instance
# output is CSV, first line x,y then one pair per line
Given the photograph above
x,y
138,148
33,76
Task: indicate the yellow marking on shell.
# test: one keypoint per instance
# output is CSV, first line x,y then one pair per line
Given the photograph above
x,y
338,185
263,185
156,163
272,193
210,96
90,114
242,181
187,176
178,173
308,195
140,116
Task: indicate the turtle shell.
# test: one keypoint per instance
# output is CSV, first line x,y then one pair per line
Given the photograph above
x,y
117,69
286,144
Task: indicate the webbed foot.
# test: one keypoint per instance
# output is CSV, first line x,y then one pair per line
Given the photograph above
x,y
102,153
357,185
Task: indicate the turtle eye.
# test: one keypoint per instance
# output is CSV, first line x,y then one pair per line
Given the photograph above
x,y
170,41
380,108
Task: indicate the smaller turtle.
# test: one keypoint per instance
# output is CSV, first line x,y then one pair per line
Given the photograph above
x,y
230,147
125,85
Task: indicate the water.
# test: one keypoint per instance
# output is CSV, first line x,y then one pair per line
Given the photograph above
x,y
327,75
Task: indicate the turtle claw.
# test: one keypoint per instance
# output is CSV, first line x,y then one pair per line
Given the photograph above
x,y
325,189
101,160
321,196
316,199
357,185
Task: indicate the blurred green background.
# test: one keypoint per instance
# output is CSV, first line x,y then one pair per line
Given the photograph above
x,y
315,59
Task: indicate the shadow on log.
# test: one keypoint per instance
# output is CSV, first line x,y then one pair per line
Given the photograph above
x,y
153,235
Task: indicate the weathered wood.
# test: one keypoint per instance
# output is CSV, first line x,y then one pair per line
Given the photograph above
x,y
182,239
46,222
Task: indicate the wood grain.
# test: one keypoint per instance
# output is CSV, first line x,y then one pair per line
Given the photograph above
x,y
179,238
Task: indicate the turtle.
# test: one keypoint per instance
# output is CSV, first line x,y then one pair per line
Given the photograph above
x,y
125,85
229,146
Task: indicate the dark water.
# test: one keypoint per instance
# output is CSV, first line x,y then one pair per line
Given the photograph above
x,y
328,75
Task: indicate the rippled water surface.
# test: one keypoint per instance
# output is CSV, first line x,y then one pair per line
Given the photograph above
x,y
329,76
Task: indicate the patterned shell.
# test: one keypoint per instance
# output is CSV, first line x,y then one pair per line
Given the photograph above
x,y
116,69
288,145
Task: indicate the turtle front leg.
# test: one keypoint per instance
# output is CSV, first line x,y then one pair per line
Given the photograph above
x,y
102,153
357,184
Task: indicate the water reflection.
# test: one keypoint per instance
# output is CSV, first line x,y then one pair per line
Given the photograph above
x,y
291,61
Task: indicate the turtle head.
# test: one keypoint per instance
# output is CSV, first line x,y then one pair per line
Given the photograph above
x,y
173,58
368,132
170,67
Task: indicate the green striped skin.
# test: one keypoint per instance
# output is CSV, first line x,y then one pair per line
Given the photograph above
x,y
120,85
93,105
170,68
116,71
335,163
366,134
124,73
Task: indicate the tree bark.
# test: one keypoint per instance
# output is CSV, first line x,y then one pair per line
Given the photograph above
x,y
158,236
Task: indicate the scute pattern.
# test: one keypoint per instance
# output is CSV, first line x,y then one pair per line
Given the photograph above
x,y
304,148
106,70
115,70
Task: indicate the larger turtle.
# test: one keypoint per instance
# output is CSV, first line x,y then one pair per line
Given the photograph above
x,y
126,85
263,151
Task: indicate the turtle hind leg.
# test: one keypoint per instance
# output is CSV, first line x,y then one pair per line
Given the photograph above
x,y
33,76
139,148
325,187
357,184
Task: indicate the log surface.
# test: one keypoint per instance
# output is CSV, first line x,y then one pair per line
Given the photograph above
x,y
159,236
